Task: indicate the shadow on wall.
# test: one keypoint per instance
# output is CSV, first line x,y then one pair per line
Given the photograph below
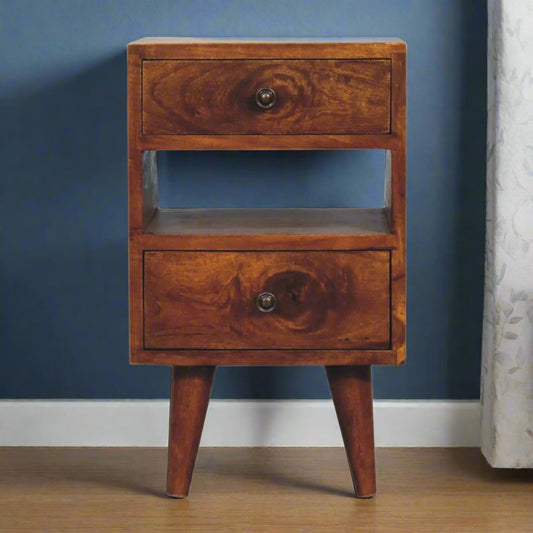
x,y
64,266
466,312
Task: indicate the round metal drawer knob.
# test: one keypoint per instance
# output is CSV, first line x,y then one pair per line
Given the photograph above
x,y
266,302
265,98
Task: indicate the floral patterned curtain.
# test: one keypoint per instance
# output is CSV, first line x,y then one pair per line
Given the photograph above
x,y
507,370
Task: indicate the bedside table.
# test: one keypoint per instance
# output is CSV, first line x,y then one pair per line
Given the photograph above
x,y
215,287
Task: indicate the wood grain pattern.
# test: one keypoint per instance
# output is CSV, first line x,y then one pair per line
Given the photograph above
x,y
263,357
152,230
282,43
351,391
326,96
274,490
196,300
274,242
305,48
135,158
344,309
398,261
299,221
149,185
136,306
189,398
315,141
268,229
138,213
398,207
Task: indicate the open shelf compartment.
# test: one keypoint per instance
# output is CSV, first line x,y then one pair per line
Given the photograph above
x,y
297,228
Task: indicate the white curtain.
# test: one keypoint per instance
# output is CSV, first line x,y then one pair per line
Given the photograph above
x,y
507,369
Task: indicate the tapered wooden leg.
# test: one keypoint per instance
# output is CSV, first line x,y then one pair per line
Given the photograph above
x,y
351,390
190,391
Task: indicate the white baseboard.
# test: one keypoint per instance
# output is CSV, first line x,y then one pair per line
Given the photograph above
x,y
233,423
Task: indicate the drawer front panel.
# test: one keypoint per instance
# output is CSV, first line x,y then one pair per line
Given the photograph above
x,y
324,300
312,96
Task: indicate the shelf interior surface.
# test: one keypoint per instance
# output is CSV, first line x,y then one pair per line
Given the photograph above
x,y
278,221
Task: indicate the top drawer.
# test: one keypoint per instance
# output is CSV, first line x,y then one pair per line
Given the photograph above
x,y
312,96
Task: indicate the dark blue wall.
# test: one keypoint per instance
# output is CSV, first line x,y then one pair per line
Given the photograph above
x,y
63,188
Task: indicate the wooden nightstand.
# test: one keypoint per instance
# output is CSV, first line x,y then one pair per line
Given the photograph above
x,y
215,287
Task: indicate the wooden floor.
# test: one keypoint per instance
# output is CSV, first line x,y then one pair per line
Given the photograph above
x,y
260,489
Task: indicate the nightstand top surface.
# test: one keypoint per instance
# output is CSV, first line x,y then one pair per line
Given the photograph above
x,y
267,48
277,40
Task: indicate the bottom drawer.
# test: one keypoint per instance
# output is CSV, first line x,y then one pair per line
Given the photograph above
x,y
266,300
